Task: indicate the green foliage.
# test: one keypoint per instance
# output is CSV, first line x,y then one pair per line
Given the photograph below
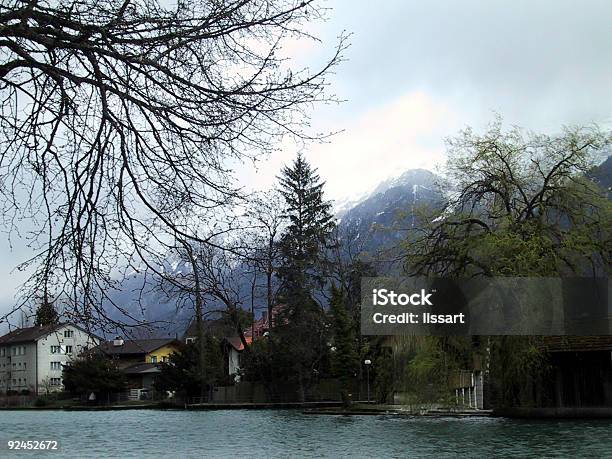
x,y
383,375
93,373
182,372
308,232
295,351
345,359
429,365
517,366
46,314
523,207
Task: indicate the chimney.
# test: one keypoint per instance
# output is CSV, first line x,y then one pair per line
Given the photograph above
x,y
118,341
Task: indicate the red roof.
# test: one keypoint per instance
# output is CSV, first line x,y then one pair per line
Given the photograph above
x,y
262,325
237,343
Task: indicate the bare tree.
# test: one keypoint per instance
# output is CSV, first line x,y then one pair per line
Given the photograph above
x,y
267,219
119,118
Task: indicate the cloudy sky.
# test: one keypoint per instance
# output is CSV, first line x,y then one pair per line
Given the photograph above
x,y
418,71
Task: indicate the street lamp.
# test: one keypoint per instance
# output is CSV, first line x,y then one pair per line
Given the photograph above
x,y
367,363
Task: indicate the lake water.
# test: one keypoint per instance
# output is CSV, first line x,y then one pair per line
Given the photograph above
x,y
289,433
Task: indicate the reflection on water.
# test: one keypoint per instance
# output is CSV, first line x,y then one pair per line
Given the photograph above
x,y
287,433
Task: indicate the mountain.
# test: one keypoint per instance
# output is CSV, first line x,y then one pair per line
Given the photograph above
x,y
373,222
602,175
386,215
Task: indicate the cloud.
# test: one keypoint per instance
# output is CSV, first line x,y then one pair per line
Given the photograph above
x,y
404,134
380,142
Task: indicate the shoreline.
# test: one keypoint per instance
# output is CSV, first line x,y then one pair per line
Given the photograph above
x,y
337,409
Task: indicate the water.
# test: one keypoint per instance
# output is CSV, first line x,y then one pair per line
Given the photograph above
x,y
289,433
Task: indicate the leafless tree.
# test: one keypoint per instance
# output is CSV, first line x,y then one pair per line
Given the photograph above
x,y
266,216
120,118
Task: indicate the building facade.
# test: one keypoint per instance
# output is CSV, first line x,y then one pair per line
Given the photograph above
x,y
139,359
32,359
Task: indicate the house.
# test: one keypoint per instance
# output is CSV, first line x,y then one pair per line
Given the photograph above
x,y
139,359
580,372
226,333
31,359
233,347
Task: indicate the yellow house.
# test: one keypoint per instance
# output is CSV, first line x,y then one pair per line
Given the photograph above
x,y
139,359
162,354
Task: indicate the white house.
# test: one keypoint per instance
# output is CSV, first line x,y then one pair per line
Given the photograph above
x,y
32,358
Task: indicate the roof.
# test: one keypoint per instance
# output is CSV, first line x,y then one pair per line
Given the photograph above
x,y
236,342
577,343
31,334
215,327
134,347
142,368
223,327
262,325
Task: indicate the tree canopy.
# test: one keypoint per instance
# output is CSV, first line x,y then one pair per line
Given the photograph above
x,y
93,373
46,313
520,205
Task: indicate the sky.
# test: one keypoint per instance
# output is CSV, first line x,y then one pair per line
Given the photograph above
x,y
419,71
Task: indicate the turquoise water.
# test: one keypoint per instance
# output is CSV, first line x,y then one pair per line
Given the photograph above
x,y
248,433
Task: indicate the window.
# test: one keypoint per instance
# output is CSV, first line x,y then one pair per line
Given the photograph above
x,y
24,365
189,340
14,351
56,381
68,349
153,359
23,350
2,352
68,333
165,358
55,349
56,365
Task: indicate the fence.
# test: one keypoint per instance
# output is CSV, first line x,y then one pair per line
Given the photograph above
x,y
327,390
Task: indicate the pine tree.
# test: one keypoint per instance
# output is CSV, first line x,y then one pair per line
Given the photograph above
x,y
300,327
46,313
345,360
308,233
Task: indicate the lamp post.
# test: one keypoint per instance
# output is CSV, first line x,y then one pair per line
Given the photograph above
x,y
367,363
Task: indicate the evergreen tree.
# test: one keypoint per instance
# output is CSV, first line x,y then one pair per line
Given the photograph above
x,y
345,360
182,374
308,233
300,328
46,313
93,373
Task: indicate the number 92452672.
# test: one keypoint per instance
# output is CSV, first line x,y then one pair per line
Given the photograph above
x,y
32,444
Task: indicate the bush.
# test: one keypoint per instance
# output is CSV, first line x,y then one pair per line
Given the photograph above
x,y
40,402
25,392
62,395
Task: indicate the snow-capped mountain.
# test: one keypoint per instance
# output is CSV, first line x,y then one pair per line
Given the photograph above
x,y
387,214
